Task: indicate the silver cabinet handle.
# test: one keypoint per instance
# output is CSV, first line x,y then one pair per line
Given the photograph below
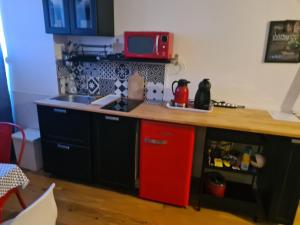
x,y
155,141
65,147
296,141
64,111
113,118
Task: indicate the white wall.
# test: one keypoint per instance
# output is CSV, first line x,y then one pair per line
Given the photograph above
x,y
222,40
30,56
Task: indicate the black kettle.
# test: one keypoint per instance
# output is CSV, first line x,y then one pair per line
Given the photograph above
x,y
202,98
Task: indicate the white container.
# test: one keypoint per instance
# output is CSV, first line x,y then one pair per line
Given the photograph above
x,y
32,155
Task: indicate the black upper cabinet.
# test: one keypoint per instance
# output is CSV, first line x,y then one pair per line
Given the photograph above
x,y
79,17
56,14
83,17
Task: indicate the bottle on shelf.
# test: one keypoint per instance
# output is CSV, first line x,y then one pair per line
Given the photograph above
x,y
246,159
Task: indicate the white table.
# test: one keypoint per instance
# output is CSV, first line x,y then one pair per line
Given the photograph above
x,y
11,176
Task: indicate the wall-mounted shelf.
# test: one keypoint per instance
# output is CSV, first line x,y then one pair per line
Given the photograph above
x,y
100,53
109,58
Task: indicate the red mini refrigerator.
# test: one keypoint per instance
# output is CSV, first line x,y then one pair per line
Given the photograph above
x,y
166,155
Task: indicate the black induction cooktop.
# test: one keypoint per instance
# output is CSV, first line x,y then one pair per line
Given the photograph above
x,y
123,105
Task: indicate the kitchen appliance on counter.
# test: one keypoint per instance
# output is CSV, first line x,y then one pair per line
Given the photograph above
x,y
202,98
148,45
181,93
123,105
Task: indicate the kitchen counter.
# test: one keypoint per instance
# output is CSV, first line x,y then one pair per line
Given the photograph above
x,y
256,121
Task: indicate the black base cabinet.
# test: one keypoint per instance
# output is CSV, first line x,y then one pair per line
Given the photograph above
x,y
241,195
67,160
281,183
114,150
276,186
66,144
102,149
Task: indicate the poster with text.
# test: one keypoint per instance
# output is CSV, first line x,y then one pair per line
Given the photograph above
x,y
284,42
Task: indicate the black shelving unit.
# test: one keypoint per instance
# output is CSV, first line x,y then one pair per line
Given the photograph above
x,y
240,197
251,171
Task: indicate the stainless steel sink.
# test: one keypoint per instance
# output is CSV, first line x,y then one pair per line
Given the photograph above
x,y
76,98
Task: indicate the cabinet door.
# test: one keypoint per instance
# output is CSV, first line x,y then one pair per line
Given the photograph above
x,y
166,154
56,14
114,151
67,160
64,125
83,15
280,182
288,200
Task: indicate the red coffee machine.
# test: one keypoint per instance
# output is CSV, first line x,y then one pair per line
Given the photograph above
x,y
181,93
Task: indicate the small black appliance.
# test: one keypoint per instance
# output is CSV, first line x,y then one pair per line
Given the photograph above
x,y
202,98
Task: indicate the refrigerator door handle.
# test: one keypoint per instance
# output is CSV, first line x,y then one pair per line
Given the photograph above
x,y
155,141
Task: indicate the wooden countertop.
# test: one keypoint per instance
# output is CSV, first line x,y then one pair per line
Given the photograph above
x,y
256,121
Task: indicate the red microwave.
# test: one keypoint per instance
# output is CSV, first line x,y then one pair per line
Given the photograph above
x,y
148,45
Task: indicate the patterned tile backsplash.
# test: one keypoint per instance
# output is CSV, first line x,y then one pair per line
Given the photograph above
x,y
102,78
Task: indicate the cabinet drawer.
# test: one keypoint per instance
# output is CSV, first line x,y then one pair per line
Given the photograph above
x,y
67,160
64,125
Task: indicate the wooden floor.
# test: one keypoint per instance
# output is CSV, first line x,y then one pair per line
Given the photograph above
x,y
84,205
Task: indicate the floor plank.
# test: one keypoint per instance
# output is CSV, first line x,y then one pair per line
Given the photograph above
x,y
81,204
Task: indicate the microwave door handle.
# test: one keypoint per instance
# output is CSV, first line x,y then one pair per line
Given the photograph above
x,y
156,44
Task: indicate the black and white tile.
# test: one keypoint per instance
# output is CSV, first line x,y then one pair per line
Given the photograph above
x,y
62,70
123,70
105,70
93,86
77,68
142,69
106,86
102,78
81,85
121,88
154,91
156,74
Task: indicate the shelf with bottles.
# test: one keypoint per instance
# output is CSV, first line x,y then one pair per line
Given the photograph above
x,y
234,157
232,167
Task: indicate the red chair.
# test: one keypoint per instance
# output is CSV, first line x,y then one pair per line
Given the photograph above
x,y
6,130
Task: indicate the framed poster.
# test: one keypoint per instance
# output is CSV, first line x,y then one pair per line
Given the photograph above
x,y
284,42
